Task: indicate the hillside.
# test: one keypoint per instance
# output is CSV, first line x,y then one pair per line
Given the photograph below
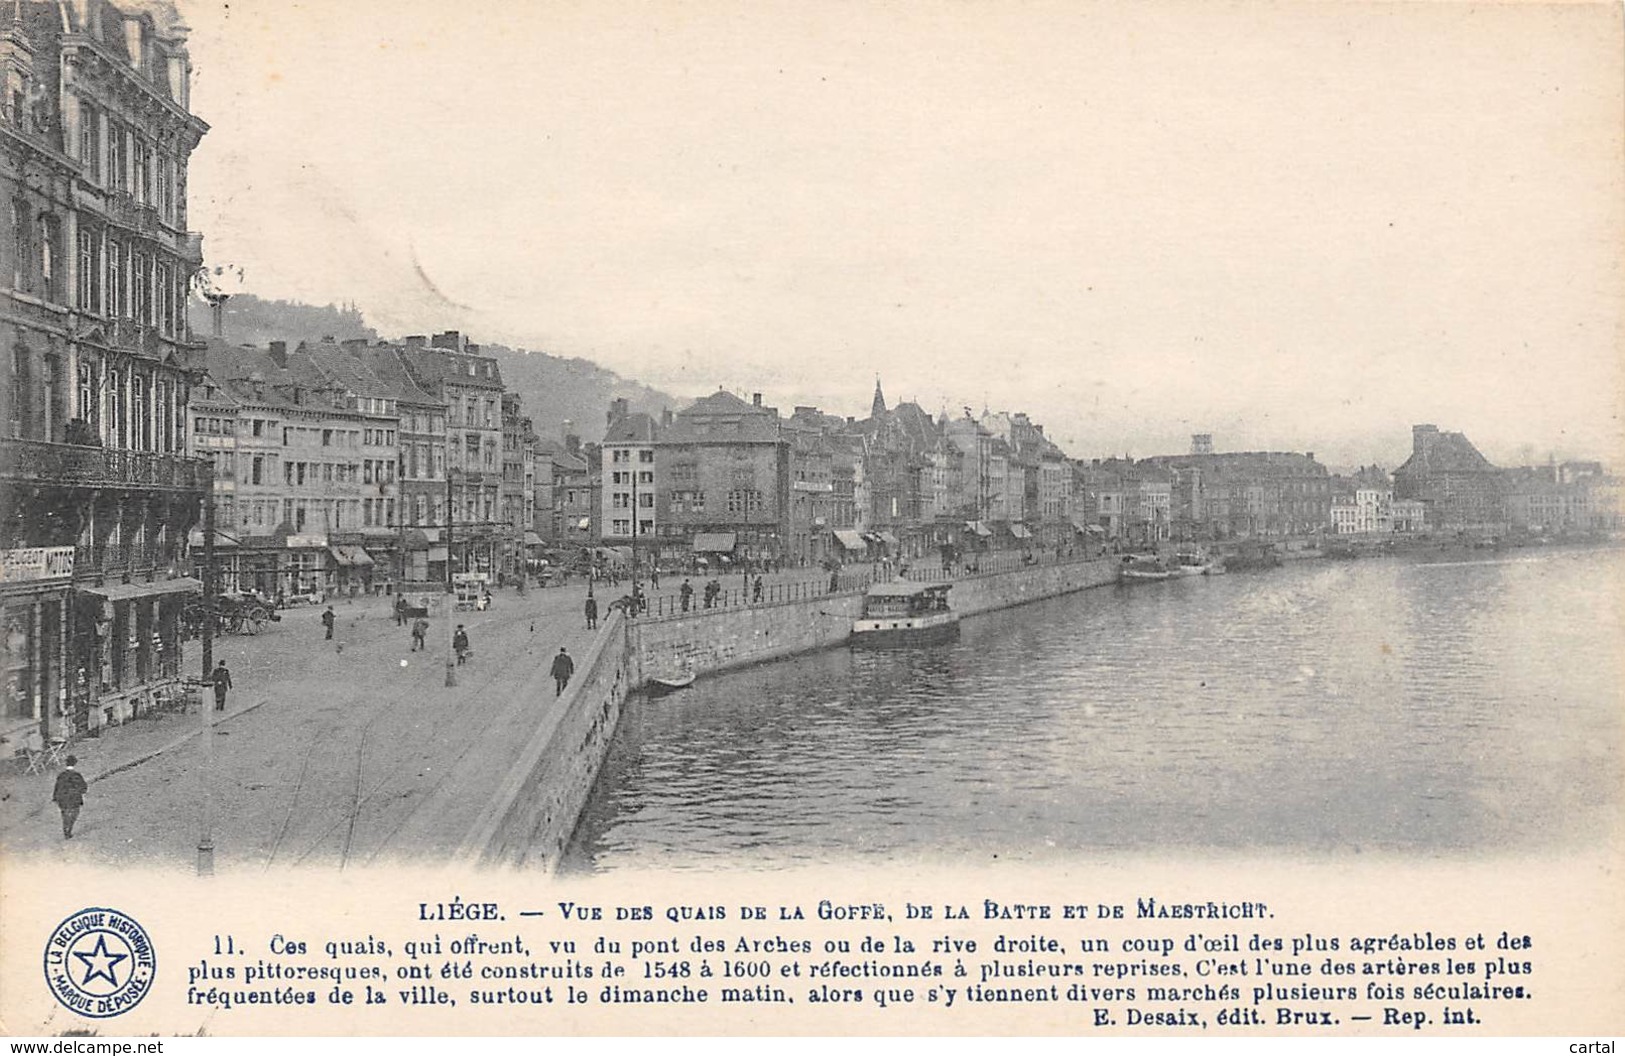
x,y
554,389
253,321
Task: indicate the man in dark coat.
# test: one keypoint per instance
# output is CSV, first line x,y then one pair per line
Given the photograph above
x,y
69,795
686,592
459,644
222,682
591,609
563,668
328,619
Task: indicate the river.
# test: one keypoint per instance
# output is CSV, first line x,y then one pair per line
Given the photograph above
x,y
1397,706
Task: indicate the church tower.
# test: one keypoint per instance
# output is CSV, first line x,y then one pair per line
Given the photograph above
x,y
878,407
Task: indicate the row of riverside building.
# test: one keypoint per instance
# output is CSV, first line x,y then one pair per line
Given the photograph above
x,y
377,466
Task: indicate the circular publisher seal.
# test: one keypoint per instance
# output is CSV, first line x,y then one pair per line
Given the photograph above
x,y
99,963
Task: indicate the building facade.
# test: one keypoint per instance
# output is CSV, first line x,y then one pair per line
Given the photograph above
x,y
96,487
1459,487
722,480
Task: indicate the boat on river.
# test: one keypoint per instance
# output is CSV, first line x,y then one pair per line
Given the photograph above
x,y
659,687
1143,568
904,613
1191,563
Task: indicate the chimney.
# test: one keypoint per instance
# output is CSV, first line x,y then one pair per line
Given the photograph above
x,y
755,399
279,353
572,444
414,340
450,339
353,343
665,417
618,409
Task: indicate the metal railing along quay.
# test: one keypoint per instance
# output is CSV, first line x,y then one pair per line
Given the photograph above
x,y
669,604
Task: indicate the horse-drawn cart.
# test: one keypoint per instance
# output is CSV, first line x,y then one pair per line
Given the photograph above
x,y
235,614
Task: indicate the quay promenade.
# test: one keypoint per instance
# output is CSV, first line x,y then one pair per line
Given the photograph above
x,y
344,753
326,750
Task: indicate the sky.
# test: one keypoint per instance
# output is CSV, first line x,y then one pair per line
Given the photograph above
x,y
1296,226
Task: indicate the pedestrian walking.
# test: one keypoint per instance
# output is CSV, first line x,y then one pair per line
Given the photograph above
x,y
420,634
654,578
222,683
459,644
756,590
591,609
563,668
329,618
400,611
686,593
69,795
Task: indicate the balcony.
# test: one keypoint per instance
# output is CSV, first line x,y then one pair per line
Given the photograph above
x,y
125,211
39,462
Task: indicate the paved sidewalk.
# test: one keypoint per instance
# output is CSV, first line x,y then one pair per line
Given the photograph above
x,y
326,750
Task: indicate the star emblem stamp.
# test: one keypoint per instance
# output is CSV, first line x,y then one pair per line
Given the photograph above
x,y
99,963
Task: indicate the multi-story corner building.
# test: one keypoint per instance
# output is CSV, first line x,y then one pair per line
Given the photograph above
x,y
451,369
575,494
722,472
822,469
97,492
312,503
1363,504
518,489
630,512
1249,493
1459,487
1561,497
371,556
421,518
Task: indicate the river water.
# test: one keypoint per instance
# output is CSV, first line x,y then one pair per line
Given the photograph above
x,y
1454,706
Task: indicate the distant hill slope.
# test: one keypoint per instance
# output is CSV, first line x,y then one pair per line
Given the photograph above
x,y
252,321
554,389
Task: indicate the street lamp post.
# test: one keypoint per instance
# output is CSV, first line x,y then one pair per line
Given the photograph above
x,y
205,839
451,592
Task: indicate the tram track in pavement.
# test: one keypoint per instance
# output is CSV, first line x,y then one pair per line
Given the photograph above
x,y
350,816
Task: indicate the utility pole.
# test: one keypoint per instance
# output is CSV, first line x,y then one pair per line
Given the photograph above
x,y
205,839
451,590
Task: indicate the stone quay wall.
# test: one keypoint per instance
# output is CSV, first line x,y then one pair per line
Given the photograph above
x,y
713,640
532,818
530,821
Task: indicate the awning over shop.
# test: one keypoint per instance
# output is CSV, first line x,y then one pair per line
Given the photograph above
x,y
126,591
850,539
350,555
977,528
714,543
532,539
1094,529
888,538
437,553
1020,531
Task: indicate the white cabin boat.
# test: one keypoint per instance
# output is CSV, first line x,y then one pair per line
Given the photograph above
x,y
904,613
